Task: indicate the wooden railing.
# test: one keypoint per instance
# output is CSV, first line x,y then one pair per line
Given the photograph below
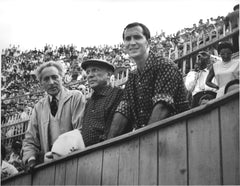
x,y
187,61
13,131
200,146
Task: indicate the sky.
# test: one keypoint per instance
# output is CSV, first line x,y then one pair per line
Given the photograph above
x,y
35,23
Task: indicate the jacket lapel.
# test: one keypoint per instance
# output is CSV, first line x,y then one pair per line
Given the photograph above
x,y
45,123
65,95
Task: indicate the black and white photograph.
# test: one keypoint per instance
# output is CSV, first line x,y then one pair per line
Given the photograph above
x,y
120,92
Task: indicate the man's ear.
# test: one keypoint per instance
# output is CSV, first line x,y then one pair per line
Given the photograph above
x,y
109,73
149,42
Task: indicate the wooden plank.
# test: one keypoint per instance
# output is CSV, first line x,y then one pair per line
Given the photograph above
x,y
89,169
9,182
204,149
173,155
129,162
71,172
148,159
60,173
229,115
110,166
24,179
44,176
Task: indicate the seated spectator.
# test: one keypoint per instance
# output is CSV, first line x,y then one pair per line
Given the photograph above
x,y
6,168
195,80
224,71
15,157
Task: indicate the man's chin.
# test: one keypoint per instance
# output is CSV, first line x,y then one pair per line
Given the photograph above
x,y
133,55
53,93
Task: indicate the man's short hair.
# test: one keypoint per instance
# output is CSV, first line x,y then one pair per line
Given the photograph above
x,y
146,31
55,64
224,44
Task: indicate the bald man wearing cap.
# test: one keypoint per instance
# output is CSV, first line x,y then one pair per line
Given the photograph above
x,y
101,106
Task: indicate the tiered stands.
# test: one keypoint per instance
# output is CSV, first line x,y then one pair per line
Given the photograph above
x,y
15,127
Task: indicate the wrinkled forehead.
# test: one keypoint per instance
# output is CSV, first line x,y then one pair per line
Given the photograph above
x,y
49,71
96,66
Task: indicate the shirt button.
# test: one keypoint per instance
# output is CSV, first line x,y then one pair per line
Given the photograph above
x,y
142,125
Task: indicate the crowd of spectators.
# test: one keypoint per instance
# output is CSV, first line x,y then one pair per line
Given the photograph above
x,y
20,88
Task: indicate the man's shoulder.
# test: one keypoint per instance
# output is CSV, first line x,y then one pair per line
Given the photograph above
x,y
74,93
163,61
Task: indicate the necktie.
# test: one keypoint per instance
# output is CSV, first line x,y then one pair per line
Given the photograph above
x,y
54,106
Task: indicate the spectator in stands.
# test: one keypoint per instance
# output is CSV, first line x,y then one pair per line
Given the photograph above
x,y
195,80
15,157
101,106
6,168
154,91
233,19
60,111
224,71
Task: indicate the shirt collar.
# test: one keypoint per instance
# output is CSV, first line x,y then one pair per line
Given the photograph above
x,y
57,96
150,62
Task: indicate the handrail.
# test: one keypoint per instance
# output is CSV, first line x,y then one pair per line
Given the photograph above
x,y
207,45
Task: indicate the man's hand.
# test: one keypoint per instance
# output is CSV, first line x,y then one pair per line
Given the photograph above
x,y
30,165
48,157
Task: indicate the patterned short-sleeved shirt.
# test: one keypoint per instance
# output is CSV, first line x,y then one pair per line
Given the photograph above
x,y
160,80
98,114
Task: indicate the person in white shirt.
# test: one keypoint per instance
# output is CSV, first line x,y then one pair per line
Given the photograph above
x,y
224,71
195,80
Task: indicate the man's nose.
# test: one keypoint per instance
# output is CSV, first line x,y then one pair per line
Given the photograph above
x,y
90,74
132,41
51,81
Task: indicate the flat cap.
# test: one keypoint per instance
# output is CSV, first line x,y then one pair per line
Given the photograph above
x,y
97,62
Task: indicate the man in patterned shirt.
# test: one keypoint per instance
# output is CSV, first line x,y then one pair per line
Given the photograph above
x,y
101,106
154,91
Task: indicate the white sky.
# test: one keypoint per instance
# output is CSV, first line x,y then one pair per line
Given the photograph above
x,y
33,23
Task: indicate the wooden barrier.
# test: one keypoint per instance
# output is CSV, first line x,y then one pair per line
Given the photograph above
x,y
200,146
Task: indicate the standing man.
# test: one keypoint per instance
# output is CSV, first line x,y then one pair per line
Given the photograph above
x,y
154,91
101,106
58,112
